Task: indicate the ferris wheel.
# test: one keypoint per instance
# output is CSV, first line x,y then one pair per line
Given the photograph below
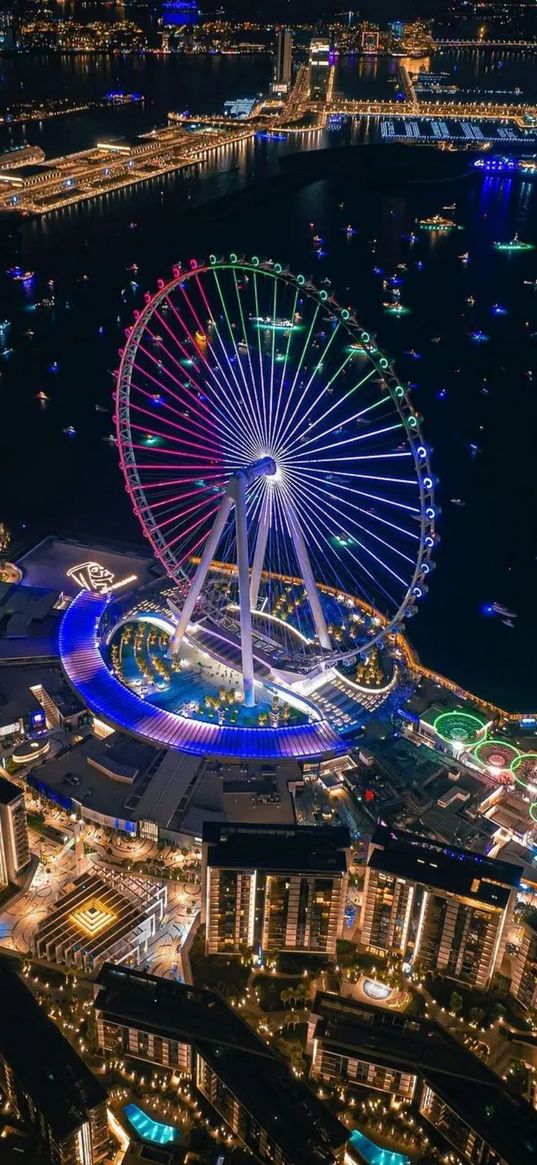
x,y
259,425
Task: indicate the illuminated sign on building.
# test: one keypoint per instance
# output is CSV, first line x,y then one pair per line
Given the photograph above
x,y
92,576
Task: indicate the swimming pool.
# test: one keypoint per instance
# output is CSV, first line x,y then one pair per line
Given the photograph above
x,y
373,1153
149,1129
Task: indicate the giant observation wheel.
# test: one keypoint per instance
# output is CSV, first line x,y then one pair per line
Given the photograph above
x,y
259,427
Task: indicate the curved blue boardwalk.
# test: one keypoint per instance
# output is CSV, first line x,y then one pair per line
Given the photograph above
x,y
108,698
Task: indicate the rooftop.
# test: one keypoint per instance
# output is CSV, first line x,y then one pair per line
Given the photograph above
x,y
8,792
505,1122
43,1061
283,1105
94,915
275,848
443,867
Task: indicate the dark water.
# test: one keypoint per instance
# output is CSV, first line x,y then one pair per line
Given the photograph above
x,y
489,545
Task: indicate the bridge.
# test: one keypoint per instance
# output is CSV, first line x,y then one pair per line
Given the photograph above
x,y
451,109
486,44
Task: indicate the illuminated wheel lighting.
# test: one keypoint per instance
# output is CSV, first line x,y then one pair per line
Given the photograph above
x,y
458,728
496,755
237,360
524,770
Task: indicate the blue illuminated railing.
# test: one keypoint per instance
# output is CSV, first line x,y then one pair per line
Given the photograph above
x,y
108,698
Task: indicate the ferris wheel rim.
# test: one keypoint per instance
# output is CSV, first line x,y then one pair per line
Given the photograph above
x,y
399,396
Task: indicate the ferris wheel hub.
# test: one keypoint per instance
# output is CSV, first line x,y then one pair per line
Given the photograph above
x,y
265,467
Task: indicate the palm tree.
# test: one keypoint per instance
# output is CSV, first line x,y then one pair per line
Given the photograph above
x,y
456,1002
5,543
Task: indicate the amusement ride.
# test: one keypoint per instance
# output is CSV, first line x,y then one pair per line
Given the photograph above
x,y
277,468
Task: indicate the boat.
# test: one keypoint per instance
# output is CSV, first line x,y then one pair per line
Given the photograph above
x,y
359,349
500,609
20,275
396,309
457,502
514,244
497,164
437,223
278,324
528,167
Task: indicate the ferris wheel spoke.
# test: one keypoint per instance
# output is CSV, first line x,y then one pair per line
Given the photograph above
x,y
316,486
314,521
244,419
321,518
349,441
252,396
272,361
387,501
176,425
283,429
322,497
195,391
193,526
163,436
174,498
290,334
217,397
184,513
324,390
264,424
162,404
344,421
213,418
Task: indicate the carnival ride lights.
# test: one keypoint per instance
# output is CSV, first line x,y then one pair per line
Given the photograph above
x,y
496,755
500,758
283,442
458,728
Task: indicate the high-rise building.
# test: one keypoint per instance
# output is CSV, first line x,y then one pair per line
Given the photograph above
x,y
8,39
319,64
524,977
370,38
442,907
273,888
281,79
46,1083
468,1105
15,856
193,1031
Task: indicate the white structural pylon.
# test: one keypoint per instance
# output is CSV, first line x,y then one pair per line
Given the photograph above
x,y
307,574
235,495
